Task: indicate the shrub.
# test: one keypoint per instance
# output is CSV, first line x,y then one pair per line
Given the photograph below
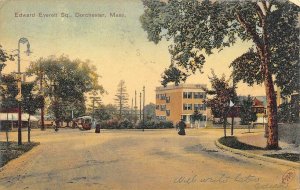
x,y
125,124
109,124
150,124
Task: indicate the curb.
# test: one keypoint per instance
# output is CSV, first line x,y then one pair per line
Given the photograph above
x,y
258,157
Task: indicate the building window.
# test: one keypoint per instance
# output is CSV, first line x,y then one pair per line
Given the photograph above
x,y
199,95
168,99
187,107
162,107
187,95
199,107
168,112
157,96
162,96
157,107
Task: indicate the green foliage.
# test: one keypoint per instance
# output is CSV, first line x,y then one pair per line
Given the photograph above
x,y
204,26
247,114
105,112
222,93
150,111
3,58
150,124
247,68
173,74
288,112
199,28
125,124
121,99
197,116
65,83
30,103
8,92
109,124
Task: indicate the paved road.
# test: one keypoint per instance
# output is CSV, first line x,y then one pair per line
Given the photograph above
x,y
154,159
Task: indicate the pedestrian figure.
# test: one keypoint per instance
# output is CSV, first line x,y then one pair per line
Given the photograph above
x,y
181,126
55,126
97,130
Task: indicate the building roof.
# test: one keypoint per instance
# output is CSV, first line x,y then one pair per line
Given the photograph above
x,y
14,117
181,86
257,102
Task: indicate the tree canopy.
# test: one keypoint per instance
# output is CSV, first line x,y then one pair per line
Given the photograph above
x,y
65,83
121,99
247,114
200,28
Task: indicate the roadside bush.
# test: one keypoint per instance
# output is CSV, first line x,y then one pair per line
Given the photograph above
x,y
116,124
156,125
109,124
125,124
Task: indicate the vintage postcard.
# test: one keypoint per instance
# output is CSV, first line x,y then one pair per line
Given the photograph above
x,y
149,94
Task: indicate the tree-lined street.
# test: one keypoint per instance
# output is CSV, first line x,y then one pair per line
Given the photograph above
x,y
127,159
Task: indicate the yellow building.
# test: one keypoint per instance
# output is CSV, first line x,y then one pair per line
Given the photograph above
x,y
179,102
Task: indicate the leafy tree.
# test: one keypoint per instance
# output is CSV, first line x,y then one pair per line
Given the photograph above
x,y
65,83
222,93
197,116
150,111
288,113
196,27
30,103
105,112
7,83
246,112
4,56
9,91
121,99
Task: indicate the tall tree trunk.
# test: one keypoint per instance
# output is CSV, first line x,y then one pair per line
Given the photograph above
x,y
224,124
272,141
232,121
264,52
29,128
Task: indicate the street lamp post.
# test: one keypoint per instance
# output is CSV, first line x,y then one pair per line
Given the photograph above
x,y
42,94
23,41
143,108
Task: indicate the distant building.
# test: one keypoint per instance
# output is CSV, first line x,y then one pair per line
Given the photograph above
x,y
180,102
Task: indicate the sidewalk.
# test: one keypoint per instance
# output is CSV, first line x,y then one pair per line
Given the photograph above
x,y
258,139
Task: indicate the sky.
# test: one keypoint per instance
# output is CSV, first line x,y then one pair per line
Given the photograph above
x,y
117,46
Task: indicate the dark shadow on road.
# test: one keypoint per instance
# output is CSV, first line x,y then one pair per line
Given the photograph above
x,y
233,142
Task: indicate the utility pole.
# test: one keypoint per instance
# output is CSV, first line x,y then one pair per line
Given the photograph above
x,y
19,96
143,107
135,107
42,108
232,108
140,106
131,112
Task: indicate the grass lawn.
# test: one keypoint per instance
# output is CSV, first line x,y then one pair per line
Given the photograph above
x,y
233,142
286,156
12,150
